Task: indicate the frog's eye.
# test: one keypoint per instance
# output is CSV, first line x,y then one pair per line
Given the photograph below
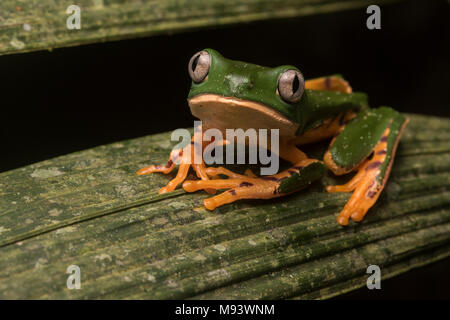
x,y
199,66
291,85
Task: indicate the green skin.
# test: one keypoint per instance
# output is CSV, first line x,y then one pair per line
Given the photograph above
x,y
355,143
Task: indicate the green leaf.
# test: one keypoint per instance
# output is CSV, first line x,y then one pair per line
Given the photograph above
x,y
90,209
41,25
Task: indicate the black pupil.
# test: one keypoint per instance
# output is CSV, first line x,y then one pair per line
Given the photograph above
x,y
295,84
195,62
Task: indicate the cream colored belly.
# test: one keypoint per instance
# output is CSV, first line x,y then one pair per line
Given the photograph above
x,y
222,113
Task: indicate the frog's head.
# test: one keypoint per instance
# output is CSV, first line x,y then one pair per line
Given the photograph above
x,y
227,94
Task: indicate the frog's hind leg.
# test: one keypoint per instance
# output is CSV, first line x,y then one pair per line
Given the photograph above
x,y
374,133
248,186
330,83
186,158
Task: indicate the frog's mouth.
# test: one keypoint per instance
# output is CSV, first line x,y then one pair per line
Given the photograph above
x,y
222,113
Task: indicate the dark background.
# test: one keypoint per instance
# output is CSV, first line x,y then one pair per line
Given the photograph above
x,y
54,103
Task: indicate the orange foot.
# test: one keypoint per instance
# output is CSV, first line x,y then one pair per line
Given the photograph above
x,y
240,187
186,157
365,186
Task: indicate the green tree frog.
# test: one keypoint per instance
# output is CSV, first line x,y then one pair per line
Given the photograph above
x,y
234,94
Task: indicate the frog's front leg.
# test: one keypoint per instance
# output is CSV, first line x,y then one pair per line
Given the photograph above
x,y
301,175
368,145
186,160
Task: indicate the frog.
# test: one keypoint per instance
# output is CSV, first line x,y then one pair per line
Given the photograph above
x,y
229,93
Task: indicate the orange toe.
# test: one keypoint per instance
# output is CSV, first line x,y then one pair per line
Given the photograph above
x,y
342,220
143,171
189,186
210,204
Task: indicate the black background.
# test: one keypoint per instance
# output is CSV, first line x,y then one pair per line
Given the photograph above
x,y
70,99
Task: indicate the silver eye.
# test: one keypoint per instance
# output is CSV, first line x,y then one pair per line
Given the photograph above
x,y
199,66
291,85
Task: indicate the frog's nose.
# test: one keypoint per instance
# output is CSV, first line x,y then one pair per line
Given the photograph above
x,y
238,83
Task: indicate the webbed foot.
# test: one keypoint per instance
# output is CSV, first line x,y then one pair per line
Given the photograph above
x,y
248,186
242,187
186,159
366,185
